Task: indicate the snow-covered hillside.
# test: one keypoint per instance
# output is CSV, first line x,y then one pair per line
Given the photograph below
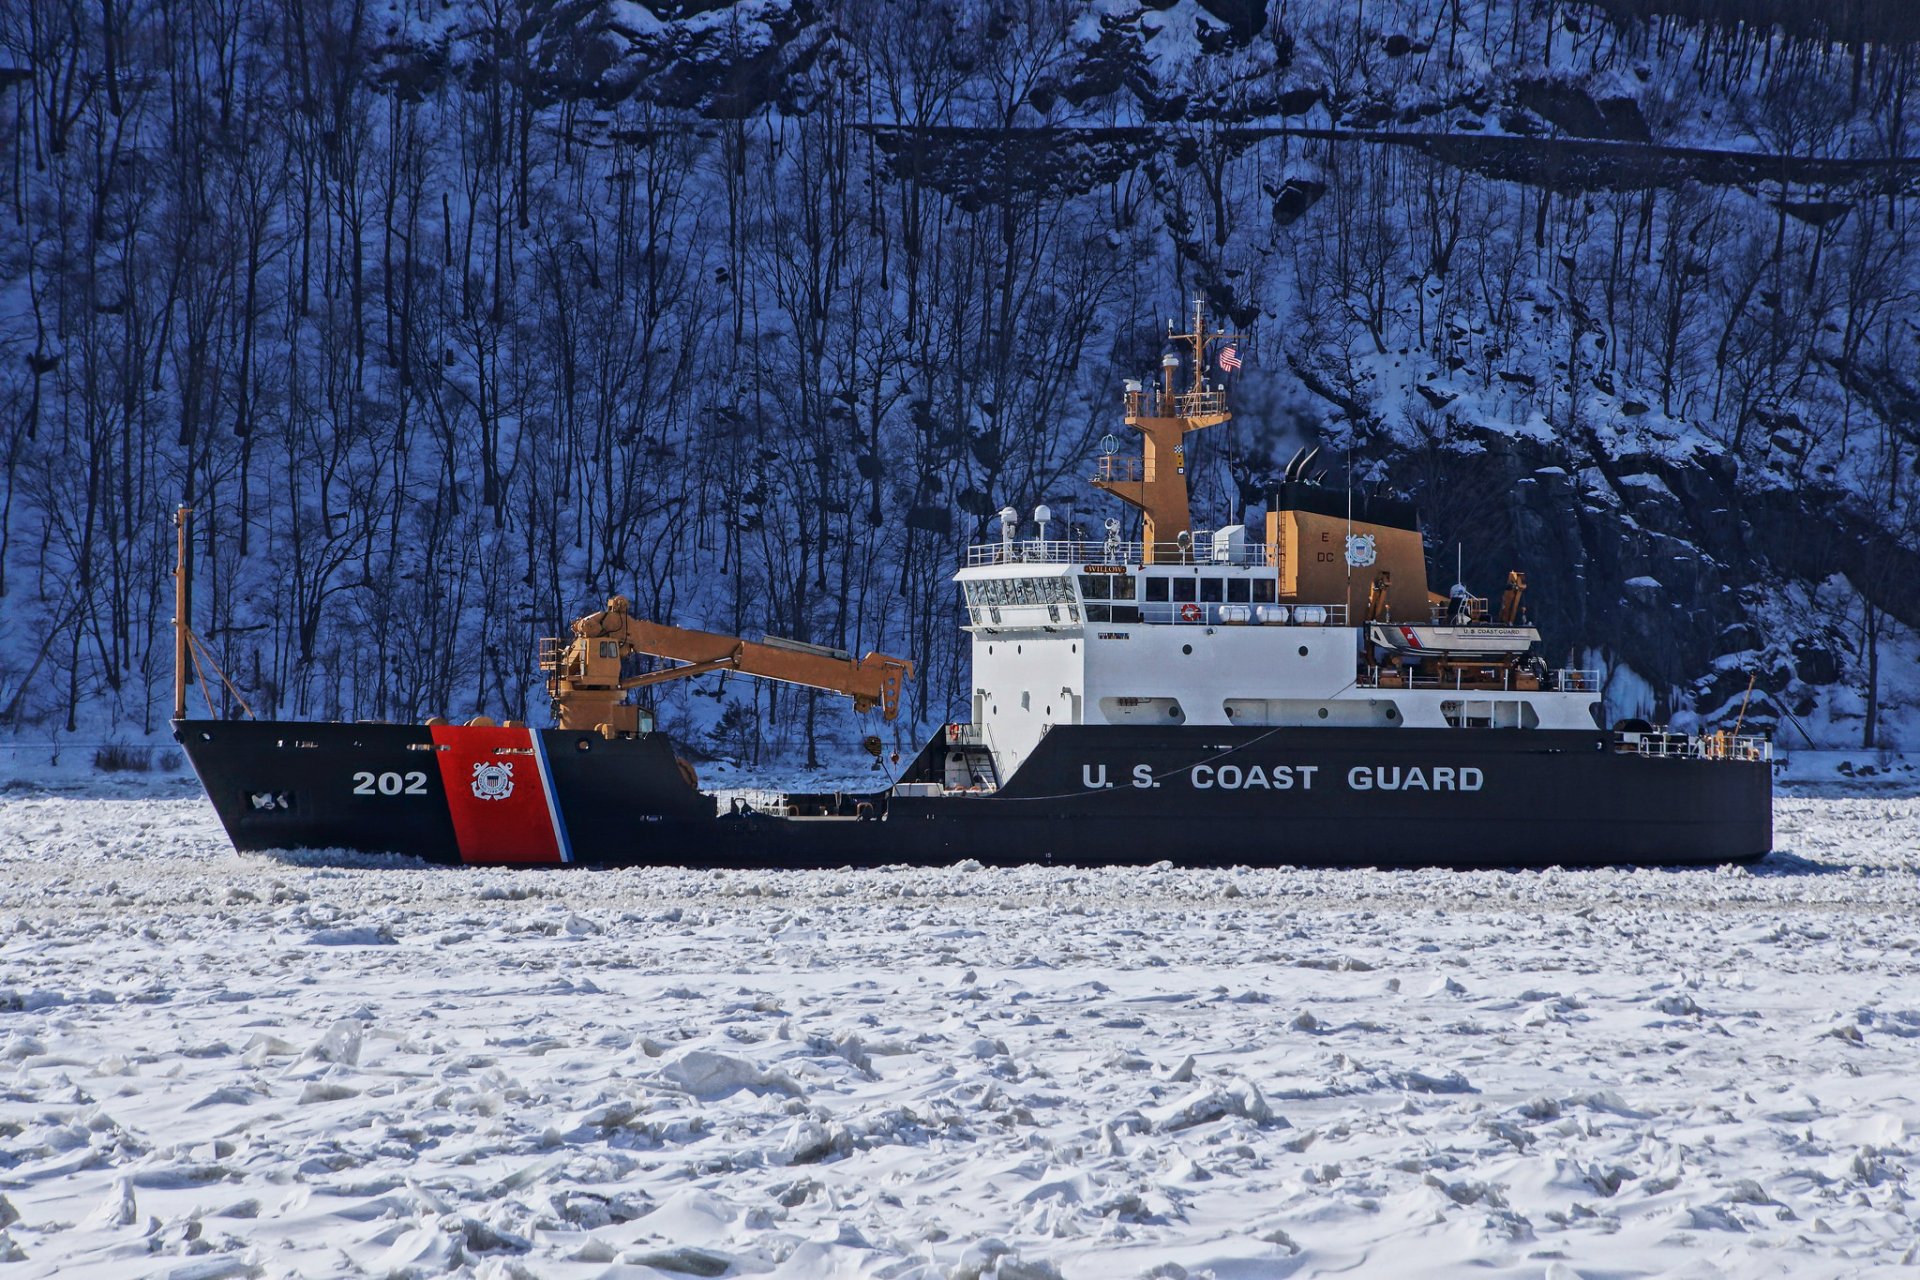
x,y
451,319
215,1065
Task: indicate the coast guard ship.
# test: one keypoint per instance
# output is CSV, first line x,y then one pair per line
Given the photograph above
x,y
1294,694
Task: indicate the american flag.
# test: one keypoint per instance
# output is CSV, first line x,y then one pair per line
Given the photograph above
x,y
1229,357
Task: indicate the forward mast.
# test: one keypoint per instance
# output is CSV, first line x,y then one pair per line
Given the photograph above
x,y
1155,482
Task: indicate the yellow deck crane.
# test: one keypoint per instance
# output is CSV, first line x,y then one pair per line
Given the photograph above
x,y
589,675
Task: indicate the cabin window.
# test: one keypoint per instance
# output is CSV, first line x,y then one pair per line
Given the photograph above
x,y
1237,590
1182,589
1263,590
1157,589
1211,590
1122,587
1126,613
1095,586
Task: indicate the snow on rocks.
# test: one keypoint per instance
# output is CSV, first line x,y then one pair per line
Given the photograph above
x,y
214,1064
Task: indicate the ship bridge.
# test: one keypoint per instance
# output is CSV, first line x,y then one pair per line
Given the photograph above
x,y
1221,578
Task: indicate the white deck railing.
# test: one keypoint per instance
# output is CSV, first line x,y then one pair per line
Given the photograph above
x,y
1182,613
1564,680
1698,746
1204,548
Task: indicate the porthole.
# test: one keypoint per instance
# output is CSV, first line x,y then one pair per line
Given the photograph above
x,y
989,648
1019,648
1393,713
1323,713
1186,648
1303,651
1174,712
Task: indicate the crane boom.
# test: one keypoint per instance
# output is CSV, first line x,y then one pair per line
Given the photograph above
x,y
588,677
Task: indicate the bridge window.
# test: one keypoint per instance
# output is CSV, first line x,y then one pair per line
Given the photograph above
x,y
1237,590
1211,590
1122,587
1157,589
1263,590
1096,586
1182,589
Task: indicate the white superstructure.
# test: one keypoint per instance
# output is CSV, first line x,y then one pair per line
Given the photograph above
x,y
1083,633
1323,618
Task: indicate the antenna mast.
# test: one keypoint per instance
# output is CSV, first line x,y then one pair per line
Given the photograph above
x,y
1156,482
1348,557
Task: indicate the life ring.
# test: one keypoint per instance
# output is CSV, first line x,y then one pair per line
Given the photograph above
x,y
1190,613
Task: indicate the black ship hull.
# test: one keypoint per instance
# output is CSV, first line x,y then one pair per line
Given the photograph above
x,y
1088,796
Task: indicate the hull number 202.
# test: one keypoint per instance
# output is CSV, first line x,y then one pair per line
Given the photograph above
x,y
366,783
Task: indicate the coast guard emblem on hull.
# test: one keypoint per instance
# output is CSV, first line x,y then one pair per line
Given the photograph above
x,y
1360,550
493,780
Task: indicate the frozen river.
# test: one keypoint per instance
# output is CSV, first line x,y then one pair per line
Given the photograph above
x,y
223,1065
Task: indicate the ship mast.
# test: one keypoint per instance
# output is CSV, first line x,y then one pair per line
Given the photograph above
x,y
182,606
1156,481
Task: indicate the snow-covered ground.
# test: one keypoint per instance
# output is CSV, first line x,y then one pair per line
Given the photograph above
x,y
214,1064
